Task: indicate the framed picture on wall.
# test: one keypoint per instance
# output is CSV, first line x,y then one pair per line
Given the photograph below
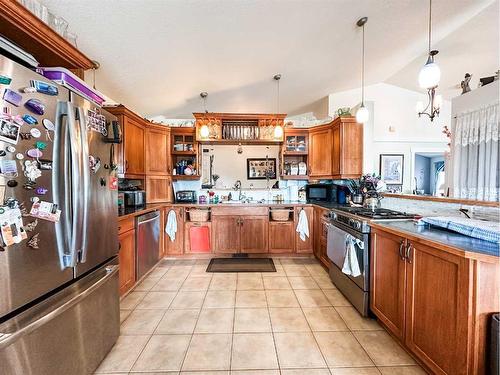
x,y
391,168
260,169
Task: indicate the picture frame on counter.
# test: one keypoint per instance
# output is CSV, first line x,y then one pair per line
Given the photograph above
x,y
391,168
261,168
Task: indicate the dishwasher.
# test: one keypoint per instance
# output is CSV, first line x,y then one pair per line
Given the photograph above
x,y
147,242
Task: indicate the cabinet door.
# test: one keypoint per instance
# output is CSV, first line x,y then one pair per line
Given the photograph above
x,y
320,153
175,247
158,189
337,150
437,308
134,147
117,149
187,239
254,234
157,152
126,257
388,280
226,234
281,237
307,245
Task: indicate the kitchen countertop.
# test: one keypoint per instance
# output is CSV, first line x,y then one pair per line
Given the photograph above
x,y
445,239
135,211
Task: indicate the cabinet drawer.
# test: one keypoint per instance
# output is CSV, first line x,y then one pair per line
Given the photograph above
x,y
125,225
243,211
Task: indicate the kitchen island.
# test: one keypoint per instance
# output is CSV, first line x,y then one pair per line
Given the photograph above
x,y
435,291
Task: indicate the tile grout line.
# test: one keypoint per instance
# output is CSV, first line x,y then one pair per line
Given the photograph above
x,y
310,328
195,325
152,334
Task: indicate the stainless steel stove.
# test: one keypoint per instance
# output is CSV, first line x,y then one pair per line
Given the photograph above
x,y
349,229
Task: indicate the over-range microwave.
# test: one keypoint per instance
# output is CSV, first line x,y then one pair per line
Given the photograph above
x,y
321,192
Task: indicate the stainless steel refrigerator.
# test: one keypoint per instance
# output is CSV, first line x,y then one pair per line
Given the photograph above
x,y
59,302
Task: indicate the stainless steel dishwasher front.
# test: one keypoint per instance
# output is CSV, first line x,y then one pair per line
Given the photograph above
x,y
147,242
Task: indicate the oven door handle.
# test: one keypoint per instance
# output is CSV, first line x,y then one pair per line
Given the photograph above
x,y
352,232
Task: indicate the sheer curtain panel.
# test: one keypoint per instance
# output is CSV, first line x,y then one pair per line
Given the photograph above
x,y
475,154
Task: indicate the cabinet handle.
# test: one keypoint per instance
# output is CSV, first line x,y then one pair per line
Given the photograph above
x,y
401,246
409,252
126,165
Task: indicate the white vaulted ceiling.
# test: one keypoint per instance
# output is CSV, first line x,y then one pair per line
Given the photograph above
x,y
157,55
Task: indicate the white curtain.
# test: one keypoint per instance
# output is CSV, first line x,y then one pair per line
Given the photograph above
x,y
475,154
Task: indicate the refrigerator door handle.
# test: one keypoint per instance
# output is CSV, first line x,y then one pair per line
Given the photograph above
x,y
7,339
62,183
77,185
85,180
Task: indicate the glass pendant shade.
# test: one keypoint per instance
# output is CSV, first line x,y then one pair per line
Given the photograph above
x,y
204,131
278,132
429,75
362,114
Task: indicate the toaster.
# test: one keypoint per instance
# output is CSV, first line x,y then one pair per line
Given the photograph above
x,y
185,196
134,198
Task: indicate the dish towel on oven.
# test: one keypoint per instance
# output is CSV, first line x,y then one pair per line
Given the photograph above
x,y
171,227
303,226
351,265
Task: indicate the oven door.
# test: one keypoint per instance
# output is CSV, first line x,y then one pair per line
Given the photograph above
x,y
336,251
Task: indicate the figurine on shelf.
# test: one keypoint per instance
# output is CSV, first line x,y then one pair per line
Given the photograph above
x,y
465,83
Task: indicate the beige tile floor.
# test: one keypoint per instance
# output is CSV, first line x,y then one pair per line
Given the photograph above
x,y
182,320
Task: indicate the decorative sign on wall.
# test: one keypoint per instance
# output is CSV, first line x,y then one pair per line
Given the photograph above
x,y
261,169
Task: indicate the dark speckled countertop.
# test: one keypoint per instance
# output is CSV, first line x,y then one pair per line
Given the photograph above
x,y
440,236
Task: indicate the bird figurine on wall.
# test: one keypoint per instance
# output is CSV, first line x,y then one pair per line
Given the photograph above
x,y
465,83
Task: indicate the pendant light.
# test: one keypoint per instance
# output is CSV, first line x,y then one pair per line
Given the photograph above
x,y
428,79
278,129
204,130
362,114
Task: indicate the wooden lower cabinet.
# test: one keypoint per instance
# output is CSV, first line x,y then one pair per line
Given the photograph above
x,y
226,234
187,235
240,234
388,280
175,247
254,234
281,236
435,301
307,245
126,257
320,234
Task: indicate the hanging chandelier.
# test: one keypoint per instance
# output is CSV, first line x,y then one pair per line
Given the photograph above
x,y
428,79
204,130
362,114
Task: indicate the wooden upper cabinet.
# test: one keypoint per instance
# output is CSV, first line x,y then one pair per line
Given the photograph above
x,y
159,189
388,280
254,234
336,149
23,28
347,148
158,150
320,152
131,152
134,147
437,303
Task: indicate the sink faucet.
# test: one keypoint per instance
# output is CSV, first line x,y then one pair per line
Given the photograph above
x,y
237,186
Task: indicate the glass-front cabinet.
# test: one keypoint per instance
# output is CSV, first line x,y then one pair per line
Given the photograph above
x,y
294,155
296,143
